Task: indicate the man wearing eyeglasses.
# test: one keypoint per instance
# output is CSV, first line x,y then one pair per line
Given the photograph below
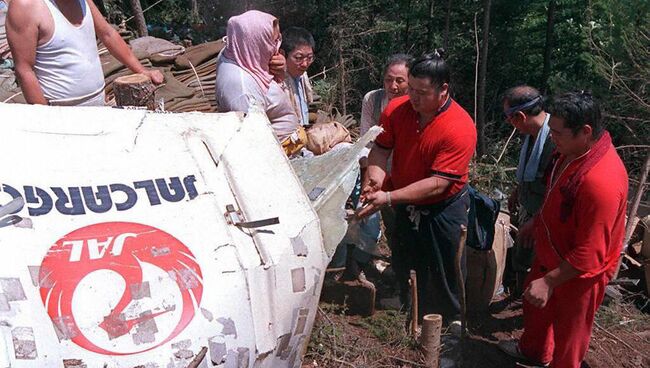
x,y
298,48
522,106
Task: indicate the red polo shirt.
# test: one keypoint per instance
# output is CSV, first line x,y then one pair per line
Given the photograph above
x,y
443,148
591,238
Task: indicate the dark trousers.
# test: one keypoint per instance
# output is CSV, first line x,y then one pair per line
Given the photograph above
x,y
429,236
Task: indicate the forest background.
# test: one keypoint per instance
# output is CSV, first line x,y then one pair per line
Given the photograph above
x,y
602,46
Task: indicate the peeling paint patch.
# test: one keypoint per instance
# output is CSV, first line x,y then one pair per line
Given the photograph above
x,y
24,343
218,351
243,357
12,288
4,303
115,326
25,223
207,314
64,326
301,322
145,332
157,252
237,358
187,279
299,247
74,363
44,279
183,349
282,345
140,290
314,287
33,272
298,279
229,327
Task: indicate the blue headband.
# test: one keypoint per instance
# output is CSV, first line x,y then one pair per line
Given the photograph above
x,y
523,106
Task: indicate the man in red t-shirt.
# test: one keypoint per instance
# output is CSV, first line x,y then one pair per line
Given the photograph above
x,y
432,140
578,236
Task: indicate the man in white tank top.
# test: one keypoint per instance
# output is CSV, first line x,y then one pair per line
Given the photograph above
x,y
55,51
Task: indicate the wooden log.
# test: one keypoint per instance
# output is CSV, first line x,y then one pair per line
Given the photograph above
x,y
431,326
134,90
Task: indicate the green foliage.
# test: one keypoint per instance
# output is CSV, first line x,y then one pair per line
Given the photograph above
x,y
354,38
389,327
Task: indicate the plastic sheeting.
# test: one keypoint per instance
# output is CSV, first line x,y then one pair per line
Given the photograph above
x,y
328,181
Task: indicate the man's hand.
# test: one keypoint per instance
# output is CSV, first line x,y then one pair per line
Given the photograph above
x,y
373,202
277,67
371,186
526,233
538,292
155,76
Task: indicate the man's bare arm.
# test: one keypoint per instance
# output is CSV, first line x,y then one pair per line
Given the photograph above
x,y
421,190
22,34
118,48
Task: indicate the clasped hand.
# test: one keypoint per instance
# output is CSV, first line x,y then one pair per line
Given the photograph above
x,y
372,198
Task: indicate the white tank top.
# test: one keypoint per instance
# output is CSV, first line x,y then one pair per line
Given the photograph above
x,y
67,66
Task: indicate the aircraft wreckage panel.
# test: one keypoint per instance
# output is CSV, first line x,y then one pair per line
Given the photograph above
x,y
131,239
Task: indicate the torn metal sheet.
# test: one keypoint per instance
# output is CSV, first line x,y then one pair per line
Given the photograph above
x,y
128,259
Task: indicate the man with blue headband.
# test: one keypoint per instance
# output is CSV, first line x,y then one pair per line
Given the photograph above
x,y
522,106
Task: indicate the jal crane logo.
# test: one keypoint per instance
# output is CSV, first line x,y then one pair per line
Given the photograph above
x,y
120,288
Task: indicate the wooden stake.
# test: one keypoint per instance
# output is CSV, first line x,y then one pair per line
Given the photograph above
x,y
135,90
414,303
431,326
461,285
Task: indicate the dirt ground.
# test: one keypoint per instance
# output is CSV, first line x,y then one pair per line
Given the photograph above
x,y
621,338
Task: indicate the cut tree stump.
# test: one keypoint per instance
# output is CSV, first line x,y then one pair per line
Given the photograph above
x,y
135,90
431,327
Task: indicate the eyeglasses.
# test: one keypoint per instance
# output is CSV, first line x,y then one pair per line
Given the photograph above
x,y
299,58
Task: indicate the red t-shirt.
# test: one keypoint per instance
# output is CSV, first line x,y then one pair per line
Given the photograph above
x,y
592,237
443,148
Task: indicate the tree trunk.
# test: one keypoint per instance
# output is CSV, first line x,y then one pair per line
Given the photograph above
x,y
134,90
548,48
195,10
430,46
138,15
482,78
343,85
445,42
407,28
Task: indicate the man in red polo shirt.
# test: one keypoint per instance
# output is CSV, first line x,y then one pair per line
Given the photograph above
x,y
432,140
578,236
